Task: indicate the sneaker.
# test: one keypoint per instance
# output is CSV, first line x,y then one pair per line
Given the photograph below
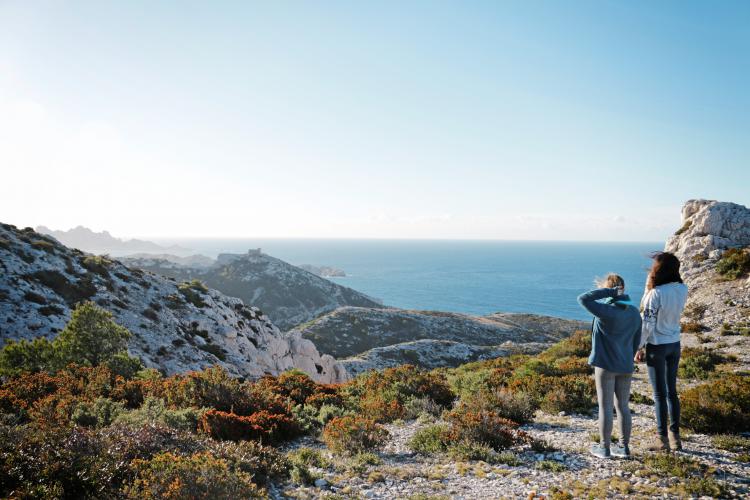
x,y
599,451
675,443
621,451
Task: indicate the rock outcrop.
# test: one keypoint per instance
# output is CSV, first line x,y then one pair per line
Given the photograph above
x,y
720,307
708,229
287,294
176,326
350,331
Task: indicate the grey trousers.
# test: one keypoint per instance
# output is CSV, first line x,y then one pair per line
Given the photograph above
x,y
612,388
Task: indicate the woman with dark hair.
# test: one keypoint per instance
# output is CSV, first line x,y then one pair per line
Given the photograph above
x,y
661,308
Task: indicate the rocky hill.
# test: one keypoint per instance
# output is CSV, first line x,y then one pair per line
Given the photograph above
x,y
176,326
387,337
287,294
718,308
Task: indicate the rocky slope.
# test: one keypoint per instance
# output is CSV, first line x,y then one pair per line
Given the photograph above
x,y
287,294
709,229
430,353
176,327
390,335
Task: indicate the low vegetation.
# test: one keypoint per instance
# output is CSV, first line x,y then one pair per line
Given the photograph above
x,y
700,362
734,263
80,418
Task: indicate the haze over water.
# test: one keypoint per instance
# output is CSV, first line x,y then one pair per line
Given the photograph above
x,y
468,276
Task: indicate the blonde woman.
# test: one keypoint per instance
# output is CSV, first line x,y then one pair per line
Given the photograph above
x,y
616,334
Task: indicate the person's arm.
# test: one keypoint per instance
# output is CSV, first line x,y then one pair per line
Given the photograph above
x,y
589,302
637,338
649,314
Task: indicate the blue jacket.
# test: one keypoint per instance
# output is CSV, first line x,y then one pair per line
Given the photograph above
x,y
616,332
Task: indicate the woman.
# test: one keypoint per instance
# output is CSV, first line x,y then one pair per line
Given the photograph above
x,y
662,306
616,332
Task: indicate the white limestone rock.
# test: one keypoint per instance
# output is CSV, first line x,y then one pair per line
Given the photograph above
x,y
175,329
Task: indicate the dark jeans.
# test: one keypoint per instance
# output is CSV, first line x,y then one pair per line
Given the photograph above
x,y
662,361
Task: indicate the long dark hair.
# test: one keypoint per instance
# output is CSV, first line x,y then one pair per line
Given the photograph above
x,y
665,269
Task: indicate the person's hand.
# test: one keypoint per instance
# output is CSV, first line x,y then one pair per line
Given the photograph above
x,y
640,355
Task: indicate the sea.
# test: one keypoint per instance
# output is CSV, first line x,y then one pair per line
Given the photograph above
x,y
466,276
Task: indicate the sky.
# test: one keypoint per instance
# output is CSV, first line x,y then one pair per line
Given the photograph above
x,y
565,120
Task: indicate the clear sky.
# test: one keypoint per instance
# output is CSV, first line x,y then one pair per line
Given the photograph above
x,y
570,120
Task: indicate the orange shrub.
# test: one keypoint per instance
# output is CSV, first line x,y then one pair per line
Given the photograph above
x,y
263,426
353,434
483,426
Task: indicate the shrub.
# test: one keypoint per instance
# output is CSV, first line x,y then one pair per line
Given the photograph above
x,y
430,440
91,337
721,406
26,356
551,466
383,395
97,264
197,476
213,388
692,327
571,394
192,291
700,362
577,345
35,298
266,427
696,311
516,406
640,399
731,442
124,365
71,291
483,426
98,413
155,412
216,350
353,434
263,463
734,263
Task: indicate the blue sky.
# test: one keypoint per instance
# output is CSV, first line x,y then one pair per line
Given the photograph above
x,y
510,120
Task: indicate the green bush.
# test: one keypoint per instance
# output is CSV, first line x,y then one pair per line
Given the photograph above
x,y
430,440
98,413
192,291
91,337
154,411
734,263
732,442
26,356
700,362
124,365
719,407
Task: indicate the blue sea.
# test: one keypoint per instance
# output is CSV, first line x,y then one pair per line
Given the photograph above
x,y
475,277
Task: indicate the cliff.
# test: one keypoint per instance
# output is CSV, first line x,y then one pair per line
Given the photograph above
x,y
176,326
288,294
